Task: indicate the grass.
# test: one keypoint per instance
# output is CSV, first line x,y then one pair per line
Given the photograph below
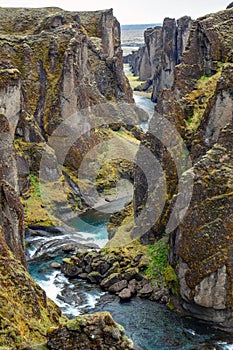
x,y
204,90
157,254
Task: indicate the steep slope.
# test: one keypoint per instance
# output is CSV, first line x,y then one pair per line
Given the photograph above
x,y
25,311
49,68
163,49
69,63
195,204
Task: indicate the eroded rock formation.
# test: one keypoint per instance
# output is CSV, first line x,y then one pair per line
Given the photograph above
x,y
52,63
23,304
98,331
69,62
11,213
199,105
155,62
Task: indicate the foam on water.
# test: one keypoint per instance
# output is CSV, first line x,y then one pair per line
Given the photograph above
x,y
226,346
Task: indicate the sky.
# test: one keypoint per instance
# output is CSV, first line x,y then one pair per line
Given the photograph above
x,y
132,11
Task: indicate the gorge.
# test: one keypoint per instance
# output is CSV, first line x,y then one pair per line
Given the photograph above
x,y
71,141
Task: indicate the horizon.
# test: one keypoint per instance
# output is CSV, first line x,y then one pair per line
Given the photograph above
x,y
128,13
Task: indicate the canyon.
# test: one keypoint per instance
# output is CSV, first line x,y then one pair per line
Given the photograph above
x,y
61,76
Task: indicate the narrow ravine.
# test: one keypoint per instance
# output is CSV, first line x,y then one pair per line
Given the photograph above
x,y
150,325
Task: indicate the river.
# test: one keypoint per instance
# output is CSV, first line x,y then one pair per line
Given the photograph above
x,y
150,325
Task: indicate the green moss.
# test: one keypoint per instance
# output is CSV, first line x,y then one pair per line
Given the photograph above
x,y
204,91
74,325
157,254
170,306
171,280
35,185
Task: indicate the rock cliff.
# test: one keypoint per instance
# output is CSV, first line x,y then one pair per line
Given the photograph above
x,y
11,214
68,62
52,64
163,49
25,311
196,209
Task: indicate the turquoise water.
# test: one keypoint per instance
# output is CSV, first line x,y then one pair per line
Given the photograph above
x,y
150,325
153,327
93,226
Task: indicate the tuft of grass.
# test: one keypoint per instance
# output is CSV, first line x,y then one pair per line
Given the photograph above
x,y
205,89
35,185
157,254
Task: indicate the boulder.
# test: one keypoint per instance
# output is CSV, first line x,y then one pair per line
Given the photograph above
x,y
118,286
146,290
89,332
125,294
110,280
94,277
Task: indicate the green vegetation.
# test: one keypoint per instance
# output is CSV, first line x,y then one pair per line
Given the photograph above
x,y
171,279
35,185
158,267
157,255
199,98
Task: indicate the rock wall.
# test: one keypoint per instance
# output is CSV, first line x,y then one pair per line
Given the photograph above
x,y
11,213
23,304
68,62
156,60
199,106
52,63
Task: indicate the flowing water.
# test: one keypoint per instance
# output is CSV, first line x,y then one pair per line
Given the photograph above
x,y
151,326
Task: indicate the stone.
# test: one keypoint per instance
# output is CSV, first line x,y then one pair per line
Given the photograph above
x,y
132,273
146,290
68,248
69,268
118,286
94,277
89,332
110,280
55,265
101,266
125,294
133,286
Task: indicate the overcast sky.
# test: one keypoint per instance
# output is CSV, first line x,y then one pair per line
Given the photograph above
x,y
132,11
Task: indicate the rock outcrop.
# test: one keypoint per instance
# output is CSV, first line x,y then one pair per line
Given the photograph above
x,y
197,111
87,332
155,62
121,271
69,62
25,311
52,63
11,213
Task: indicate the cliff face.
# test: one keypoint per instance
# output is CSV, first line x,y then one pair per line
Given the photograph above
x,y
52,63
68,62
156,60
23,304
11,214
196,209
